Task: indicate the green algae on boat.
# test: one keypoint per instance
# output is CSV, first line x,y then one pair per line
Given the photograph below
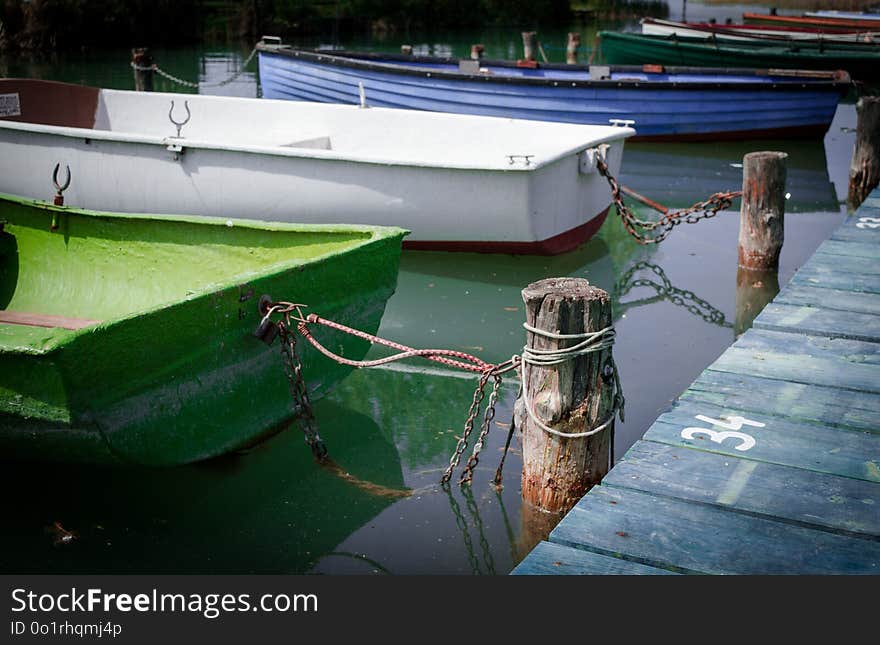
x,y
129,337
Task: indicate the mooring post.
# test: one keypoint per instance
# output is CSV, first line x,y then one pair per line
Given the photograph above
x,y
571,397
571,52
142,62
406,50
762,215
530,44
477,51
864,169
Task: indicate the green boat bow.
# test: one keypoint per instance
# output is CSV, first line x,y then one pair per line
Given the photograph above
x,y
130,337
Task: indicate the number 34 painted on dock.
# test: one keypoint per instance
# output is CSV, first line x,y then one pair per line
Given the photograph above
x,y
868,222
733,424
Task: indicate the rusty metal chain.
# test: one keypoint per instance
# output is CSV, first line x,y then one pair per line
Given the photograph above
x,y
654,232
293,369
680,297
467,474
473,411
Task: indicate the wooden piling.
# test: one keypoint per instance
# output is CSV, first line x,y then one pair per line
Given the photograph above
x,y
143,78
477,51
864,169
762,215
572,397
571,52
530,44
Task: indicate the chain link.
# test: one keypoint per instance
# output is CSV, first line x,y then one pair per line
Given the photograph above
x,y
473,411
680,297
293,369
185,83
467,474
654,232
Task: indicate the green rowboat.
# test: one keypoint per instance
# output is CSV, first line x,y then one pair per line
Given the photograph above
x,y
130,337
860,60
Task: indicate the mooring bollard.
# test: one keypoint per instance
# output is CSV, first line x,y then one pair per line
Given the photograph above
x,y
754,291
530,44
864,169
762,215
477,52
142,62
571,52
574,396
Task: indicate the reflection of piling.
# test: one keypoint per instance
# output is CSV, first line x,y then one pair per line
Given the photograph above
x,y
530,44
571,52
535,526
761,225
754,290
570,397
142,62
864,170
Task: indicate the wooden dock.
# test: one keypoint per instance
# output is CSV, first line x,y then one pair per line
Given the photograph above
x,y
770,462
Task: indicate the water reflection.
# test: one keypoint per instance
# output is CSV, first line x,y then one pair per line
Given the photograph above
x,y
680,174
754,290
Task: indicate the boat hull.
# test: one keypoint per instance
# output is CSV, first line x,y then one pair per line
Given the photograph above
x,y
624,49
496,200
185,381
711,110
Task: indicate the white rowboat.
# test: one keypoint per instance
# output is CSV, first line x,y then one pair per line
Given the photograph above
x,y
457,182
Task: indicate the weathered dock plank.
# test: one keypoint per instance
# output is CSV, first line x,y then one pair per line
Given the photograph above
x,y
863,226
775,440
839,363
828,406
832,323
826,276
837,299
555,559
850,249
816,500
696,538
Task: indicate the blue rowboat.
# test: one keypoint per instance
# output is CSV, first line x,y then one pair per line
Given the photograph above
x,y
665,103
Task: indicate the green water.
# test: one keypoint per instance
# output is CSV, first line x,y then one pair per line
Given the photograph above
x,y
392,430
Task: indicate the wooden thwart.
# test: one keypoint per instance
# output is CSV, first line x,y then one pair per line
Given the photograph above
x,y
44,320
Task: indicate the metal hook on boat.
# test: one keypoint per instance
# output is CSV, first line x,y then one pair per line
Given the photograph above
x,y
60,188
179,124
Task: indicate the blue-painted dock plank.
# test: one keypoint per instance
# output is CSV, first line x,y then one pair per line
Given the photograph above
x,y
827,406
832,323
775,440
555,559
770,461
815,500
836,299
696,538
804,359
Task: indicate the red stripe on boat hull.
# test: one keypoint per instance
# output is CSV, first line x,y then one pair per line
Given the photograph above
x,y
562,243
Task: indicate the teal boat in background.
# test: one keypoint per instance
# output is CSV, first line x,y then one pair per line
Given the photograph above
x,y
860,60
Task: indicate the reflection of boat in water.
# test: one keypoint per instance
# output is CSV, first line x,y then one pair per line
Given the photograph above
x,y
271,510
682,174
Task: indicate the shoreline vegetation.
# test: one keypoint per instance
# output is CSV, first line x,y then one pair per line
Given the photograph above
x,y
64,25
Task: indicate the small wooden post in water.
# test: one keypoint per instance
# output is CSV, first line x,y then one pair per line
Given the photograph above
x,y
477,51
143,78
571,52
762,215
864,170
572,397
530,44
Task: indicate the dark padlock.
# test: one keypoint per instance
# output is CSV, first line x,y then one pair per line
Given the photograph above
x,y
266,331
